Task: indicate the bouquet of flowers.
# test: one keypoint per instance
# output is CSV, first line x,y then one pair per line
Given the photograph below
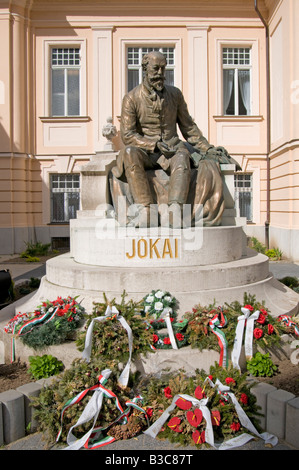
x,y
157,307
158,303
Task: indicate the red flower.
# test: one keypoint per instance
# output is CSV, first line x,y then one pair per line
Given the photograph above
x,y
270,329
249,307
183,404
257,333
174,424
70,319
235,426
155,338
261,319
264,312
179,336
167,392
199,393
199,437
149,412
166,340
194,418
215,415
229,380
244,399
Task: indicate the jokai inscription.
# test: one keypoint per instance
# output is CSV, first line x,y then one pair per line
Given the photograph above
x,y
153,248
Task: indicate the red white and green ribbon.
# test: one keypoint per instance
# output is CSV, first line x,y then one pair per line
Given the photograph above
x,y
96,437
216,323
110,312
289,323
243,320
36,320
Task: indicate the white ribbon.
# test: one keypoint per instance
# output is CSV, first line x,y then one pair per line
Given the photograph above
x,y
244,420
124,377
249,321
91,410
154,429
166,317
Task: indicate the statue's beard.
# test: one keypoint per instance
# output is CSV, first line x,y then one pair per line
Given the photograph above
x,y
157,83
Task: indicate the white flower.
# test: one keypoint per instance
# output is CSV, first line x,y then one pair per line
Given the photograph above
x,y
147,308
149,299
158,306
168,298
159,294
166,310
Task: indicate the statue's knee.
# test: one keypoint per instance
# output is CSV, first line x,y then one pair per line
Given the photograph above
x,y
132,157
181,161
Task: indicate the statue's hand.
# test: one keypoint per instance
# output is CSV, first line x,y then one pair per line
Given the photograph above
x,y
165,150
220,154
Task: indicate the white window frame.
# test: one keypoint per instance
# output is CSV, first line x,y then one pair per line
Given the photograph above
x,y
64,191
62,43
236,68
244,189
253,44
125,43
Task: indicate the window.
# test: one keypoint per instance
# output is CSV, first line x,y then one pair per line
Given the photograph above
x,y
134,64
65,81
243,195
65,197
236,62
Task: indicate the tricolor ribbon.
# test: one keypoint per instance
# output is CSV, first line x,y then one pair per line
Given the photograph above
x,y
287,320
124,377
216,323
95,437
48,315
248,320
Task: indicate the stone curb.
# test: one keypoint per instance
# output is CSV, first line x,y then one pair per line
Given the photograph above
x,y
280,411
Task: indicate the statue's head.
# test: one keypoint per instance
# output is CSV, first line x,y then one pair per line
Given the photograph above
x,y
154,64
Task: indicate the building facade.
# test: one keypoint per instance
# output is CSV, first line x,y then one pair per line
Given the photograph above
x,y
66,66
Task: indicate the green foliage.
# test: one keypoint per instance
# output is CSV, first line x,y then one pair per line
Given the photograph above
x,y
110,339
261,365
37,249
274,254
32,259
257,245
34,282
291,282
44,366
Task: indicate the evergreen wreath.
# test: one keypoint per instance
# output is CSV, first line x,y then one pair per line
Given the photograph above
x,y
186,425
53,322
110,339
266,334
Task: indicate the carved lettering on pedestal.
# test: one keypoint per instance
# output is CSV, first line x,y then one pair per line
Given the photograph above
x,y
153,248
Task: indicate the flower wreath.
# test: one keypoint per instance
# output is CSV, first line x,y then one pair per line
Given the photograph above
x,y
50,323
156,306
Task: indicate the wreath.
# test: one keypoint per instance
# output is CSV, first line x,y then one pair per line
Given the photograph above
x,y
53,322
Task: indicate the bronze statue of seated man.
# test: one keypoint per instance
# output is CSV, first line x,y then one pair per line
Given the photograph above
x,y
155,167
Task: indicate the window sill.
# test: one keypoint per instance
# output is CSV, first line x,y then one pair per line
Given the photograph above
x,y
238,118
59,223
65,119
